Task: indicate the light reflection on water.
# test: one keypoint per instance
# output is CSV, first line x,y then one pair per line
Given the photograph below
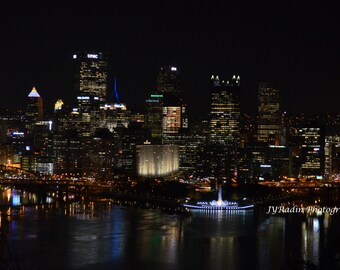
x,y
106,236
12,197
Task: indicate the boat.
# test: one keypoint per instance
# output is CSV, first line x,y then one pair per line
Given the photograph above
x,y
218,205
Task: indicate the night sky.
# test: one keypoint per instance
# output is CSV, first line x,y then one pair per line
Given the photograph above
x,y
294,45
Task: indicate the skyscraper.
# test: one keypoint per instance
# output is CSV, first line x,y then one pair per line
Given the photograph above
x,y
168,81
332,157
174,119
34,110
165,112
224,110
312,152
269,115
90,79
154,115
224,126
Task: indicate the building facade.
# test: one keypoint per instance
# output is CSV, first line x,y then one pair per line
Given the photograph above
x,y
34,110
157,160
224,126
90,79
269,115
168,80
312,151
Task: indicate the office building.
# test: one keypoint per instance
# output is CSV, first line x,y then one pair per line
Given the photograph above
x,y
312,152
34,110
270,128
165,112
90,79
332,157
68,152
174,121
154,115
168,81
224,126
97,159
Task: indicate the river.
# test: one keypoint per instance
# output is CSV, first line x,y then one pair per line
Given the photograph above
x,y
103,235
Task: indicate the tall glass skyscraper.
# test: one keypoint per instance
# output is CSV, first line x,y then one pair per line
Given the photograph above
x,y
269,114
166,105
34,110
90,79
154,115
168,81
224,126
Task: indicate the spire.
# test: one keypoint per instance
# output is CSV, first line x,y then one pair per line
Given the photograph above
x,y
115,91
34,93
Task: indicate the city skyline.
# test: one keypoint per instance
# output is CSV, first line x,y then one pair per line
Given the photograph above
x,y
169,135
292,46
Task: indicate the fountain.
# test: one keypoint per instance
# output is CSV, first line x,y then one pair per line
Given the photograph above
x,y
217,205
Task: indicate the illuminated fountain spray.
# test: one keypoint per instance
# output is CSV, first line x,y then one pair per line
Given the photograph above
x,y
218,205
219,201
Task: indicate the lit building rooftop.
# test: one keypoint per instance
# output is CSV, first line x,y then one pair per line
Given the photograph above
x,y
34,93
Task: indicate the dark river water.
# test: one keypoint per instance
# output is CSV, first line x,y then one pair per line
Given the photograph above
x,y
102,235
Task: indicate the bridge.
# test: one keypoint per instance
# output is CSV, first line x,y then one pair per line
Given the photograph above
x,y
8,169
300,184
